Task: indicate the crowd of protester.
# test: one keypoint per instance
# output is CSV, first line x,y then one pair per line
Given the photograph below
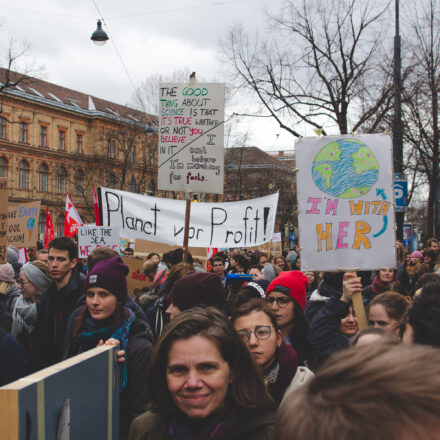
x,y
250,347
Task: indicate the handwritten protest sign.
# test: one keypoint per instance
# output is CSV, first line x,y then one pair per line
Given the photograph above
x,y
3,218
232,224
191,130
23,224
345,199
136,279
146,247
91,237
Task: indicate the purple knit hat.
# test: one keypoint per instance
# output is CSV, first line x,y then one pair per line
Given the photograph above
x,y
196,289
110,274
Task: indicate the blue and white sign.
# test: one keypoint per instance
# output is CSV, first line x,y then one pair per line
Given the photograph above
x,y
400,193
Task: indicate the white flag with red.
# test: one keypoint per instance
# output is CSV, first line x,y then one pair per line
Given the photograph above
x,y
72,220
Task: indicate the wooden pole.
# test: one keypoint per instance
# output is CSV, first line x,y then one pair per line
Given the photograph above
x,y
186,230
359,309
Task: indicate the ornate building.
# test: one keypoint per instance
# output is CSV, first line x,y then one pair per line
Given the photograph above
x,y
55,140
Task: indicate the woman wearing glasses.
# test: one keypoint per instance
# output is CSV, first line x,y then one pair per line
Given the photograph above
x,y
286,295
257,326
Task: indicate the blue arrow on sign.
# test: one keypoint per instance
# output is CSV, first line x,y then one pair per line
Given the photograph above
x,y
380,192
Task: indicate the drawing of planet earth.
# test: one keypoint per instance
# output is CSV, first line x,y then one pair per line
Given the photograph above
x,y
345,168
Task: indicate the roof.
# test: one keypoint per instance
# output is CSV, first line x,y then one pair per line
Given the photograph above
x,y
252,157
46,93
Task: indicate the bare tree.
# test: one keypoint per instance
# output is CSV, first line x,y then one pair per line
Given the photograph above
x,y
319,65
420,109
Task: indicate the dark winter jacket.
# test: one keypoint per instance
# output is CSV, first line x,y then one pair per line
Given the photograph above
x,y
135,397
5,316
12,358
246,424
324,336
54,308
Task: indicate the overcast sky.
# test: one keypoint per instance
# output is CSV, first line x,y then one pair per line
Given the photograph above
x,y
152,37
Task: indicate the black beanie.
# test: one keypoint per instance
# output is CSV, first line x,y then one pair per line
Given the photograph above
x,y
196,289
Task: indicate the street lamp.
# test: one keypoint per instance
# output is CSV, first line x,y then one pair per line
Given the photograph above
x,y
99,37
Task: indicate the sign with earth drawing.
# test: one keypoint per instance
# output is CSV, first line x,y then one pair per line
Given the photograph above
x,y
345,199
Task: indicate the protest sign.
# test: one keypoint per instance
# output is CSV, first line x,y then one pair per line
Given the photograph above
x,y
3,218
146,247
91,237
345,199
136,279
232,224
191,130
23,224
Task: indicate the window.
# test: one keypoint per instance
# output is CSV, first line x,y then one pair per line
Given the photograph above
x,y
43,135
62,180
111,148
152,187
111,180
2,127
43,177
79,143
42,224
23,175
61,139
3,167
79,183
60,226
24,132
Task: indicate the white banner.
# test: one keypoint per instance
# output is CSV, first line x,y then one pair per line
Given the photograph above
x,y
345,199
91,237
191,129
232,224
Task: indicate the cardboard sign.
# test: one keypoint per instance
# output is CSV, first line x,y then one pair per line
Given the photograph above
x,y
3,218
136,280
146,247
345,200
191,130
91,237
232,224
23,221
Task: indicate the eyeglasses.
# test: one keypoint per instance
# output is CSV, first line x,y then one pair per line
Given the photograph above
x,y
261,332
20,281
281,301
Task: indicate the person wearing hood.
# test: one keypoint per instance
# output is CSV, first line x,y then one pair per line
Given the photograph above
x,y
257,326
34,280
9,290
12,259
105,318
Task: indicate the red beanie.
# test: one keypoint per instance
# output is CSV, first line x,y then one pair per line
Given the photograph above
x,y
292,283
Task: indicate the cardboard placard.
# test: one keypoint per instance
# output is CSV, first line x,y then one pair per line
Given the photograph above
x,y
91,237
146,247
136,279
191,137
23,221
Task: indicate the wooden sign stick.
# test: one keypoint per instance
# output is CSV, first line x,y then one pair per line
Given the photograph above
x,y
359,309
186,231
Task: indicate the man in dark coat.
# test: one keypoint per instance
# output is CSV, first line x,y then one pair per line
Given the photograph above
x,y
55,306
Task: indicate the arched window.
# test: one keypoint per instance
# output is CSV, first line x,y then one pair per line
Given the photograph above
x,y
43,177
79,182
42,224
111,180
23,175
62,174
111,148
60,226
3,167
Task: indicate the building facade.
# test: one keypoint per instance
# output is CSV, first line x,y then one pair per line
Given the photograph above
x,y
54,141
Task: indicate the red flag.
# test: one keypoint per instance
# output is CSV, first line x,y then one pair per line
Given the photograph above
x,y
49,233
72,220
210,254
96,206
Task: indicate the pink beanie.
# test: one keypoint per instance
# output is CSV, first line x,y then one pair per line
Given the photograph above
x,y
417,254
6,273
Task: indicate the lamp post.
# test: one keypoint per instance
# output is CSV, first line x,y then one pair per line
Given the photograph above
x,y
397,121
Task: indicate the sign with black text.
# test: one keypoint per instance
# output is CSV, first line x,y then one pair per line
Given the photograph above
x,y
91,237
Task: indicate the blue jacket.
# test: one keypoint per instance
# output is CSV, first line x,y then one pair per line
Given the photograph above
x,y
12,358
323,335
